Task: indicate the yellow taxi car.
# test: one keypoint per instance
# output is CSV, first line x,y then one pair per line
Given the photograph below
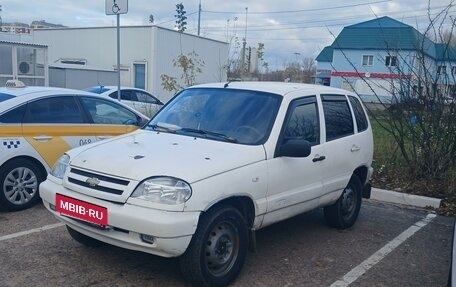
x,y
38,124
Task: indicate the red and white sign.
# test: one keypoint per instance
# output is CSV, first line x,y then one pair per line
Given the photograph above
x,y
81,210
370,75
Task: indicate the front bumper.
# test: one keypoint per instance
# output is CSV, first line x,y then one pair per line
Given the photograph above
x,y
171,231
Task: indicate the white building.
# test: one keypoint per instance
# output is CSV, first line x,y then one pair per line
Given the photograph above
x,y
146,52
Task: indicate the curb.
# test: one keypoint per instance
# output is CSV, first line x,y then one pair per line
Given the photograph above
x,y
404,198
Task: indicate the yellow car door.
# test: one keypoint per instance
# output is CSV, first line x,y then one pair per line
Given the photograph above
x,y
53,125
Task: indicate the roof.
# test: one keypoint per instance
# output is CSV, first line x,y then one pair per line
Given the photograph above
x,y
22,44
385,33
279,88
326,55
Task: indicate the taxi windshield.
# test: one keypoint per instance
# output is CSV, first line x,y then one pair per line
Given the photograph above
x,y
4,97
232,115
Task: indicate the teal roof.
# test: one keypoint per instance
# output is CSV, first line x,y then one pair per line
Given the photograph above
x,y
445,53
386,33
326,55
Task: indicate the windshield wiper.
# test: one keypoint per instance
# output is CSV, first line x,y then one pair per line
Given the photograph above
x,y
211,134
164,128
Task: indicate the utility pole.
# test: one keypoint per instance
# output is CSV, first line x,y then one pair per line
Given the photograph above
x,y
199,17
1,22
244,43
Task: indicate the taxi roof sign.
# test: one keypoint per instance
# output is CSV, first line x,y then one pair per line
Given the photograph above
x,y
115,7
15,84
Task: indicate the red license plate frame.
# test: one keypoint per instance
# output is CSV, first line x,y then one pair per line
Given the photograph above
x,y
81,210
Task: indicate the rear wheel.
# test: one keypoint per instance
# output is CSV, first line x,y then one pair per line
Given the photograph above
x,y
83,239
344,212
218,248
19,180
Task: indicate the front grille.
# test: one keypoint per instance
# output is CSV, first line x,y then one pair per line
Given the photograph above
x,y
97,187
100,177
103,183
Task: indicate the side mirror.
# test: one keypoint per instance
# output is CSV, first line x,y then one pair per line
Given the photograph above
x,y
295,148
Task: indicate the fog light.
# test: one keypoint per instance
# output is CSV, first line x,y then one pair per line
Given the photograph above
x,y
147,238
52,206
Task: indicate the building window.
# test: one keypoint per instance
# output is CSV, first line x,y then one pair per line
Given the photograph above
x,y
391,61
441,70
140,75
368,60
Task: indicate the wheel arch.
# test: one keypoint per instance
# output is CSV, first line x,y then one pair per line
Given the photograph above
x,y
38,163
243,204
362,172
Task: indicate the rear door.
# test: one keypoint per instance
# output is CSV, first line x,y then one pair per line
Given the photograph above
x,y
341,143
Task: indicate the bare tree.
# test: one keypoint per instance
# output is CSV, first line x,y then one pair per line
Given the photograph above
x,y
420,113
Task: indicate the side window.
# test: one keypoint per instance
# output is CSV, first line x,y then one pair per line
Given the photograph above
x,y
128,95
54,110
360,116
302,122
14,116
146,98
107,112
338,118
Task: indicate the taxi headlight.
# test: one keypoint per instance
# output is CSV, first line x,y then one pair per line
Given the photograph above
x,y
166,190
60,166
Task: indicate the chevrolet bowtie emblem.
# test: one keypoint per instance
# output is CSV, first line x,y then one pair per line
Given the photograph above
x,y
93,181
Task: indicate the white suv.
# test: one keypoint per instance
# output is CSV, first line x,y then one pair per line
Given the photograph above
x,y
218,162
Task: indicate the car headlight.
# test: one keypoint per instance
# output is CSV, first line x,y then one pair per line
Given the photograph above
x,y
166,190
60,166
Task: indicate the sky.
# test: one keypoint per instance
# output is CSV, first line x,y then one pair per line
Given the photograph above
x,y
291,30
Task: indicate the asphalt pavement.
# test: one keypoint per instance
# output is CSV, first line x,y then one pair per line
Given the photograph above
x,y
390,245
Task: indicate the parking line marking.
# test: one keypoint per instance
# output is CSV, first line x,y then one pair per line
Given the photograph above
x,y
375,258
22,233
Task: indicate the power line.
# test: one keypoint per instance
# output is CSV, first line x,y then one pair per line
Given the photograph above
x,y
301,10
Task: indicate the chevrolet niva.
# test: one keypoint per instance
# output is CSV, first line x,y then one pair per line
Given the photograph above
x,y
215,164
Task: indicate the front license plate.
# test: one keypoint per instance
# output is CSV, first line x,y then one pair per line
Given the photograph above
x,y
81,210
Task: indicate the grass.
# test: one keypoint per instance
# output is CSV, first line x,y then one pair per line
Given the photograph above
x,y
391,172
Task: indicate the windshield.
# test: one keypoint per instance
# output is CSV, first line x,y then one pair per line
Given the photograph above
x,y
232,115
4,97
97,90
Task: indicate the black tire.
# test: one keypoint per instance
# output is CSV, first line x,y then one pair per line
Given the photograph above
x,y
344,212
218,248
19,181
83,239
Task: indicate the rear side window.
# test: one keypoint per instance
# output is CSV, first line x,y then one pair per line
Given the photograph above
x,y
54,110
126,95
14,116
338,118
360,116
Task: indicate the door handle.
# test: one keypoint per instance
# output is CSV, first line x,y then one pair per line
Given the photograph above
x,y
355,148
42,138
318,158
104,137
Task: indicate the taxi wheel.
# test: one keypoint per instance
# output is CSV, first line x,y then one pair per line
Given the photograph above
x,y
19,180
218,248
83,239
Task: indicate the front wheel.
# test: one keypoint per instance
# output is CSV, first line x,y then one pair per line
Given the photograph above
x,y
218,248
344,212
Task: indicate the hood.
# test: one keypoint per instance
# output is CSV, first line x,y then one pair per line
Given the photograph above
x,y
143,154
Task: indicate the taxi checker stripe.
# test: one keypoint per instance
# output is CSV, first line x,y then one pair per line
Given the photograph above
x,y
11,144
